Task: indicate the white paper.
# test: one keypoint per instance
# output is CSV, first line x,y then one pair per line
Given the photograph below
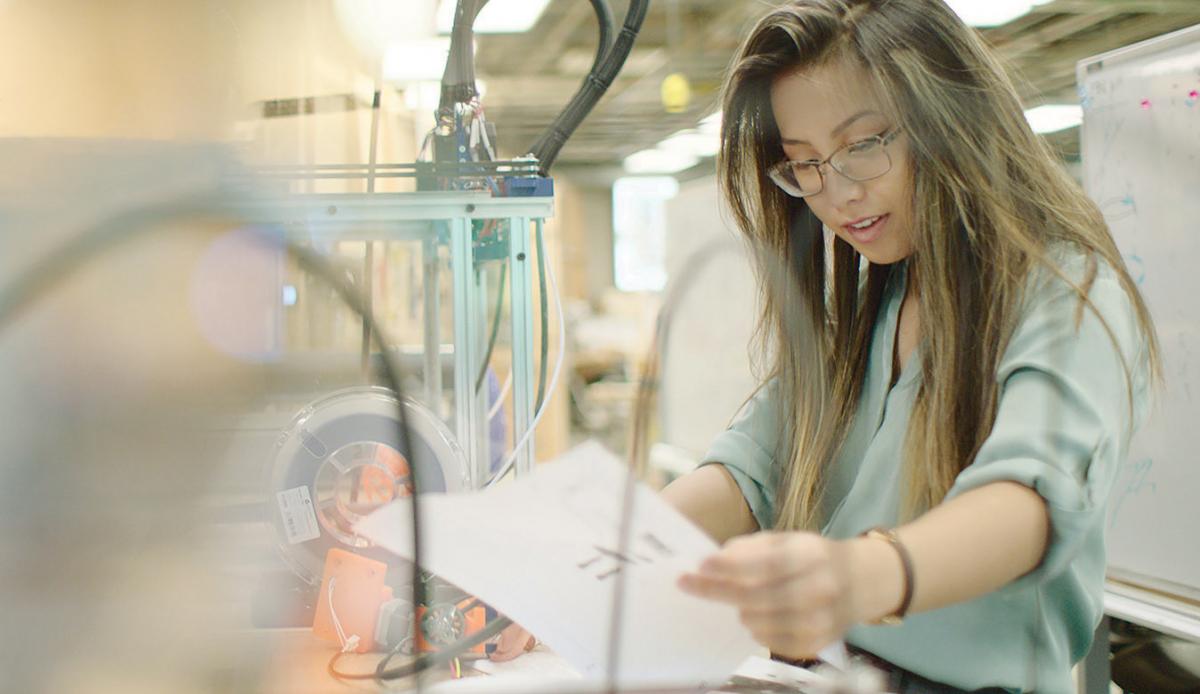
x,y
835,654
544,550
543,672
790,676
540,663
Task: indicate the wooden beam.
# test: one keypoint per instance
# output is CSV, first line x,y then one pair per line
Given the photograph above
x,y
1053,31
1054,68
1118,6
555,41
1007,32
726,24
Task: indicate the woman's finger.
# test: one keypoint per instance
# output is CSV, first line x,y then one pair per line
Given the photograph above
x,y
769,555
513,641
800,594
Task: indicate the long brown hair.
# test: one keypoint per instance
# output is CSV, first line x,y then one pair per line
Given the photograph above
x,y
989,203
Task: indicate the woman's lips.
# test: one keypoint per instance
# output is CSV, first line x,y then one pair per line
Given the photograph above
x,y
868,234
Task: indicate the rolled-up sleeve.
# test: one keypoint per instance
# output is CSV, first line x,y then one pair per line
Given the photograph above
x,y
747,449
1071,394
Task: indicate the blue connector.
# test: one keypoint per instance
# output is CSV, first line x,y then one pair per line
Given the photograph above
x,y
520,187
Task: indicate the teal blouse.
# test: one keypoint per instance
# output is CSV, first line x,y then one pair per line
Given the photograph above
x,y
1062,428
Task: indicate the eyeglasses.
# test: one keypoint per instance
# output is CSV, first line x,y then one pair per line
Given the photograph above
x,y
857,161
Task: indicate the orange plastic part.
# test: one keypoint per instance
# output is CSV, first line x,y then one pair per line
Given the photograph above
x,y
476,619
358,591
377,482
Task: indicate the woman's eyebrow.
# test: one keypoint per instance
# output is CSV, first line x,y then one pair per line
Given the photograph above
x,y
840,127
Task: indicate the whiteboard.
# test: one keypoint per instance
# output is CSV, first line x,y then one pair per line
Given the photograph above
x,y
1141,164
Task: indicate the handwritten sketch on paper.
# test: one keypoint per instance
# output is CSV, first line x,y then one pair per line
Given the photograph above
x,y
545,551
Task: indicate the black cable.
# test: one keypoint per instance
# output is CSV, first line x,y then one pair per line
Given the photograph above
x,y
487,357
545,348
381,667
551,142
369,256
544,307
648,385
458,79
425,661
604,18
58,265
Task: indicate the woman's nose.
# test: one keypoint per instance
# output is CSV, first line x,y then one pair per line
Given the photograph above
x,y
841,190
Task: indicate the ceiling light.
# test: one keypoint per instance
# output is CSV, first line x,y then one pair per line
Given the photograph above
x,y
496,17
416,61
692,142
1054,117
659,161
711,124
990,13
371,25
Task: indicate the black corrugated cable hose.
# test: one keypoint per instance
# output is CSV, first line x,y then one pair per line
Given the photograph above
x,y
458,79
550,143
604,17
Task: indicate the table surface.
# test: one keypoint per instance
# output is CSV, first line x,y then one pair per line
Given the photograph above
x,y
296,662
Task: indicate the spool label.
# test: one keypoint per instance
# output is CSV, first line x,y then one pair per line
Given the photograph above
x,y
299,517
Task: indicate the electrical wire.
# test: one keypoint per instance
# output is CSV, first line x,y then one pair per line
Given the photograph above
x,y
496,407
369,256
381,667
349,643
562,348
423,662
487,357
58,265
647,388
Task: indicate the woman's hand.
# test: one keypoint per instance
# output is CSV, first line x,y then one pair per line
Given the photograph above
x,y
794,590
512,642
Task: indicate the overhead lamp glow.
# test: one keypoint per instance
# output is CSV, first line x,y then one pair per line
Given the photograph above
x,y
1051,118
659,161
496,17
990,13
371,25
416,61
692,142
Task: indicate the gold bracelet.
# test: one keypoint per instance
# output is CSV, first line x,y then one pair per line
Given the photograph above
x,y
889,536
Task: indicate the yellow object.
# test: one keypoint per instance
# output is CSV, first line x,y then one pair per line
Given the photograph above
x,y
676,93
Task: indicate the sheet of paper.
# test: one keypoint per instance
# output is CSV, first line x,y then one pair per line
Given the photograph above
x,y
544,672
541,663
835,654
544,550
789,677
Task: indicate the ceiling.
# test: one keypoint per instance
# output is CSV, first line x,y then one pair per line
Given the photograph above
x,y
531,76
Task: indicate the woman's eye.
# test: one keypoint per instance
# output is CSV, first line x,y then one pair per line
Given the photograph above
x,y
863,146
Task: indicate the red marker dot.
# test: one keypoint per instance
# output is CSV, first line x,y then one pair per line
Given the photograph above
x,y
1145,104
1194,95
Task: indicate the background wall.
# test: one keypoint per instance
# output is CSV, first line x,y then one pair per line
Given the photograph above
x,y
707,370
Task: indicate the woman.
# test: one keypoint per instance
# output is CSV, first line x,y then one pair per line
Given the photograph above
x,y
958,360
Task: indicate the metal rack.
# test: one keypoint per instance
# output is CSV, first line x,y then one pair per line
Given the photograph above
x,y
439,220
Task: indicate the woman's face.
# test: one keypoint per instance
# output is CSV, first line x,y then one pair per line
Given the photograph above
x,y
821,110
